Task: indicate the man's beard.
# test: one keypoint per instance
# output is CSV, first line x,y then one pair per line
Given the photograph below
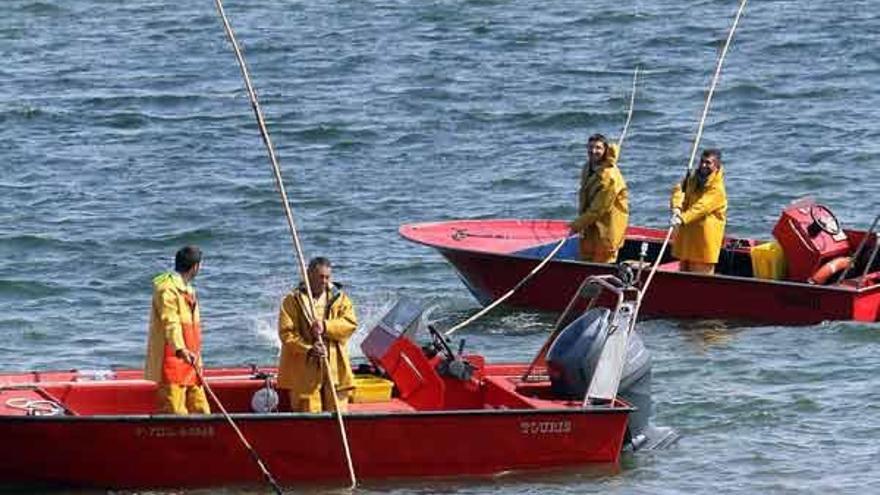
x,y
702,177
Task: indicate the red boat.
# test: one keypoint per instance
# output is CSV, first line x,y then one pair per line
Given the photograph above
x,y
492,256
448,415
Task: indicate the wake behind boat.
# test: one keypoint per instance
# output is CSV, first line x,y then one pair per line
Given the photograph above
x,y
753,282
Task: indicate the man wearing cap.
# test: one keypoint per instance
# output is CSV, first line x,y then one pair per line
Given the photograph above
x,y
699,212
603,203
174,344
312,339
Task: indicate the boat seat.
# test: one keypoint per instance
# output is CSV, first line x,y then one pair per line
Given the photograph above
x,y
671,266
107,397
503,392
499,393
389,406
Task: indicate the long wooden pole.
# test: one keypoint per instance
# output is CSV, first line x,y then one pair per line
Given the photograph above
x,y
697,139
256,457
279,183
715,78
558,246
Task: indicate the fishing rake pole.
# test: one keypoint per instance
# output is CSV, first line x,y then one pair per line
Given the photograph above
x,y
256,457
291,223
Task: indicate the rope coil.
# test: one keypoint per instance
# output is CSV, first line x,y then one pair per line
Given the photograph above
x,y
36,407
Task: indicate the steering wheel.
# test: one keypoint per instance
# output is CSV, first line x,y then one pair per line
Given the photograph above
x,y
824,219
440,343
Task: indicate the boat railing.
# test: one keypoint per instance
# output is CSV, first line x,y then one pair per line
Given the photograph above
x,y
858,252
590,289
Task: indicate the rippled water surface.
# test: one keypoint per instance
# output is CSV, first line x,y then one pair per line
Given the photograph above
x,y
125,133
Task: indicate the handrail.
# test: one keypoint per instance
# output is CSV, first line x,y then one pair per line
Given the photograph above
x,y
858,252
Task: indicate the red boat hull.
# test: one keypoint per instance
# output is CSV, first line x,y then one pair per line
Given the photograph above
x,y
140,452
491,256
91,448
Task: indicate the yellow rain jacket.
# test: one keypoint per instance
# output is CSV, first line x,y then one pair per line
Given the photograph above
x,y
603,210
704,215
175,321
299,372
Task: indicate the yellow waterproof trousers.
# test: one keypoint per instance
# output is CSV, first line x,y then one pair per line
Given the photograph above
x,y
590,252
182,400
318,402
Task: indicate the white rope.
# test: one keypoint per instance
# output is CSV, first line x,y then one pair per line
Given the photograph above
x,y
656,263
35,407
561,242
511,291
279,183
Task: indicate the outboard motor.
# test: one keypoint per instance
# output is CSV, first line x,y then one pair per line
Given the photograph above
x,y
573,357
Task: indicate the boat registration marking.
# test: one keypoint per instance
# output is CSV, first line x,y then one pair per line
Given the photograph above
x,y
544,427
172,432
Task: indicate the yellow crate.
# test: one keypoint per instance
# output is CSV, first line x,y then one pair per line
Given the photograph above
x,y
371,389
768,261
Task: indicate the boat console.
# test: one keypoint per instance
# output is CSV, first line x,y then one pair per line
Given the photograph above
x,y
810,236
431,377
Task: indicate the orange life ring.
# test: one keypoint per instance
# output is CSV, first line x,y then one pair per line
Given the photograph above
x,y
828,269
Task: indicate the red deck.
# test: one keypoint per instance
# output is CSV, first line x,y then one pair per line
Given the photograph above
x,y
491,256
109,436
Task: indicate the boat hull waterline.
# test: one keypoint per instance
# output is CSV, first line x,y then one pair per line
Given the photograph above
x,y
91,446
491,256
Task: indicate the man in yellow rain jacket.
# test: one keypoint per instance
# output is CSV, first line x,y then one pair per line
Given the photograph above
x,y
699,210
307,343
603,203
174,344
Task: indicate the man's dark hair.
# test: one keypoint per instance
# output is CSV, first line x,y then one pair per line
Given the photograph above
x,y
319,261
598,137
712,152
186,258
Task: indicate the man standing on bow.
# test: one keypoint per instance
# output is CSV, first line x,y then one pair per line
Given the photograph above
x,y
603,203
311,340
174,344
699,211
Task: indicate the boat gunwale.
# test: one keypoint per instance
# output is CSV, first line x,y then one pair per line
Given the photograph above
x,y
261,417
665,273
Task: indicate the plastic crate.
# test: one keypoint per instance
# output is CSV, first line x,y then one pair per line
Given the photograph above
x,y
371,389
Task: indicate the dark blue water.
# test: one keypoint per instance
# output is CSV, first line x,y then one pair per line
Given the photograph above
x,y
125,133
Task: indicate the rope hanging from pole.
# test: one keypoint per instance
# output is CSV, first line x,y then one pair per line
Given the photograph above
x,y
279,183
558,246
697,139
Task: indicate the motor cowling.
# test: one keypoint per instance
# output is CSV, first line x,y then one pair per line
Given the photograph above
x,y
572,360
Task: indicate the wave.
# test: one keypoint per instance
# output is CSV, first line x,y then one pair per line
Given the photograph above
x,y
42,8
27,242
327,133
174,239
28,289
25,114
